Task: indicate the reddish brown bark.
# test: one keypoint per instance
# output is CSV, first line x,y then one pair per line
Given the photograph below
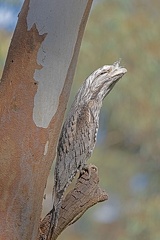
x,y
24,167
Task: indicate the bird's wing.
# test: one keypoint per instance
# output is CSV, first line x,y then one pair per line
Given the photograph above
x,y
76,143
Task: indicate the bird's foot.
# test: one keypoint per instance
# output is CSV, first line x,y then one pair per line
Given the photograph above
x,y
88,168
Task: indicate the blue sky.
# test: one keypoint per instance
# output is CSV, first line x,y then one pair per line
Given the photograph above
x,y
8,15
9,11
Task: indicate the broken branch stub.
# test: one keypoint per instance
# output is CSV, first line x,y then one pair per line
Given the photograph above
x,y
85,194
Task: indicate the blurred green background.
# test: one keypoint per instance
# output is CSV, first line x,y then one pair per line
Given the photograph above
x,y
128,146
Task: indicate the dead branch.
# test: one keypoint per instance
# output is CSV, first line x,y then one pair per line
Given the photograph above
x,y
85,194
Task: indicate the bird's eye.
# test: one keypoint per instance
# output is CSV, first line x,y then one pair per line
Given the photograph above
x,y
109,70
104,71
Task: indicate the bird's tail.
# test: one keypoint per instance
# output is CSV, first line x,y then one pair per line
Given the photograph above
x,y
55,214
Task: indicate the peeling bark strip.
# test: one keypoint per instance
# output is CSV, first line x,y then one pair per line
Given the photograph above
x,y
85,194
26,150
55,61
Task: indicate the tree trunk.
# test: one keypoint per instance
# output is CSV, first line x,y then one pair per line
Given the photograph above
x,y
34,91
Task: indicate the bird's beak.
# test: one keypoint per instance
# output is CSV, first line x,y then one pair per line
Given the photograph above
x,y
113,74
117,70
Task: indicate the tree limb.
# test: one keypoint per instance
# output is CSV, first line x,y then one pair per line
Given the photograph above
x,y
85,194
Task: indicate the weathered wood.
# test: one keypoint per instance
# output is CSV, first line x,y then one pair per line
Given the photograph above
x,y
85,194
34,91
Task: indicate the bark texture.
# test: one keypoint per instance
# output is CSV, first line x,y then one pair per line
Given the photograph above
x,y
85,194
26,150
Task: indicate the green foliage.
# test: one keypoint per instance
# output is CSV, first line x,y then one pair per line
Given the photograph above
x,y
4,44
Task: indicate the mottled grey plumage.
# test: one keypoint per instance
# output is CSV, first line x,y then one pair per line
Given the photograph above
x,y
78,136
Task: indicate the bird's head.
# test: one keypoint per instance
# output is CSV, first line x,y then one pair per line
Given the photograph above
x,y
101,81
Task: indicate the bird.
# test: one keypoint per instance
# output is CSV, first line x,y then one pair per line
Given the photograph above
x,y
79,132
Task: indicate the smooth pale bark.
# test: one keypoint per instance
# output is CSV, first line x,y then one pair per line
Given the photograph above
x,y
34,91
